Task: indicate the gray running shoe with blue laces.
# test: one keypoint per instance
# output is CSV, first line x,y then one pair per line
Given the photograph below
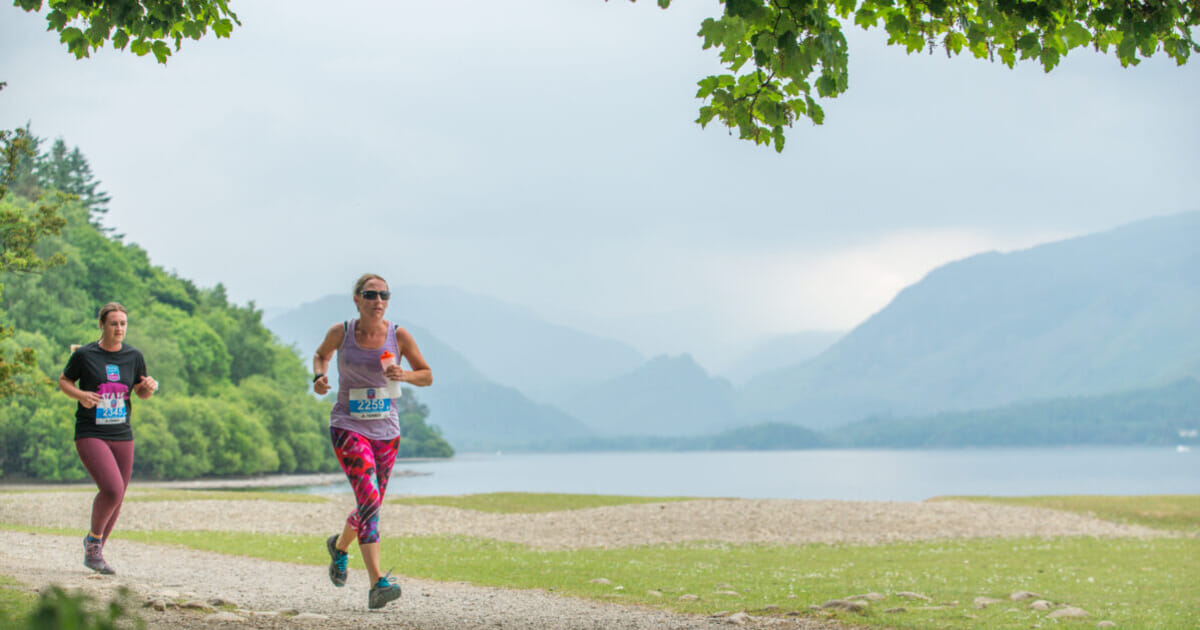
x,y
337,562
383,592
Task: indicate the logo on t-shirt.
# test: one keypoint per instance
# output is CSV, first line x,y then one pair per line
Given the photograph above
x,y
113,372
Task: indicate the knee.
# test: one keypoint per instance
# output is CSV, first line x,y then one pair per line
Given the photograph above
x,y
112,492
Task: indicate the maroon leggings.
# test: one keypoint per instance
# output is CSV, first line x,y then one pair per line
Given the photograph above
x,y
110,463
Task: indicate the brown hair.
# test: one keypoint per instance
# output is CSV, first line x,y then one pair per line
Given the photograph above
x,y
363,279
110,307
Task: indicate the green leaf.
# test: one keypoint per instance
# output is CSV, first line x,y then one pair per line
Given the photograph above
x,y
70,35
120,39
161,51
1076,35
866,18
56,19
223,27
954,42
140,46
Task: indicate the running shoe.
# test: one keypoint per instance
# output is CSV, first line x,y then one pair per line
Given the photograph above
x,y
337,564
383,592
93,557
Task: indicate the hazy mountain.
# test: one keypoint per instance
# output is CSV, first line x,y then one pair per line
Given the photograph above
x,y
777,352
508,344
1159,416
667,396
472,411
1103,313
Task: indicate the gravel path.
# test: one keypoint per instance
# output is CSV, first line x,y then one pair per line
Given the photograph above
x,y
261,589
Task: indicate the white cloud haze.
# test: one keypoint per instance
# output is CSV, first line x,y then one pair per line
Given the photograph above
x,y
544,153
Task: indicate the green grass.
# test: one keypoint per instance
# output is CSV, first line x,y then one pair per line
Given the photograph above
x,y
531,502
16,602
1170,512
1146,584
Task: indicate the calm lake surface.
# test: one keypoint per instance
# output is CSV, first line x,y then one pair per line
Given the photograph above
x,y
821,474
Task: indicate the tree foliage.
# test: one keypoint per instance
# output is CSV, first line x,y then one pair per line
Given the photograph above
x,y
781,55
146,26
20,229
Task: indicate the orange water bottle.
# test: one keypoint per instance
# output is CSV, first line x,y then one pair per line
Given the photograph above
x,y
393,387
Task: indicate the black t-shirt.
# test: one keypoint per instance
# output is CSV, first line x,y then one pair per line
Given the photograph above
x,y
112,375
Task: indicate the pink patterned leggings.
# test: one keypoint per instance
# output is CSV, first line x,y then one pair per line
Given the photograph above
x,y
368,464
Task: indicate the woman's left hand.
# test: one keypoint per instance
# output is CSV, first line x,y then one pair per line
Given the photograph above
x,y
395,373
146,386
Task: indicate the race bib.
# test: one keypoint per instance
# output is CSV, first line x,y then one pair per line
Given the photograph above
x,y
370,403
111,408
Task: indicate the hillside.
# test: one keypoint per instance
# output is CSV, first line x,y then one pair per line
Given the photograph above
x,y
667,396
1103,313
1161,416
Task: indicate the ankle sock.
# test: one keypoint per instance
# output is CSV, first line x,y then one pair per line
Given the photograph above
x,y
382,583
89,539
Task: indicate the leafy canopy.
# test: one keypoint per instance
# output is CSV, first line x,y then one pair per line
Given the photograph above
x,y
146,26
779,54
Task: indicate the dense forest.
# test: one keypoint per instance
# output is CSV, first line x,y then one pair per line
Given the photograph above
x,y
232,400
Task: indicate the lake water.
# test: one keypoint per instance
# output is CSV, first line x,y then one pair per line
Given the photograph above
x,y
820,474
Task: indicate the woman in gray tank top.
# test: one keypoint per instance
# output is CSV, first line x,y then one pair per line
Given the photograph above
x,y
364,425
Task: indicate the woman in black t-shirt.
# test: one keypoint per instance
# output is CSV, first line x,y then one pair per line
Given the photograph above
x,y
100,376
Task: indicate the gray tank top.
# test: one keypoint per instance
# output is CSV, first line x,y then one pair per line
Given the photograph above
x,y
362,403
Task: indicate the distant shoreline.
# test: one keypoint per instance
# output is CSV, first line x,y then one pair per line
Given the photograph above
x,y
216,483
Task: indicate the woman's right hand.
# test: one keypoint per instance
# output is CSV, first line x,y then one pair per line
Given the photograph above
x,y
321,385
89,399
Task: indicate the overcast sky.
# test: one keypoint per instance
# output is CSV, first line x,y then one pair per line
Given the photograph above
x,y
544,152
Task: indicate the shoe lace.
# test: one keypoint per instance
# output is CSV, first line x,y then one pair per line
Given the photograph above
x,y
384,581
339,561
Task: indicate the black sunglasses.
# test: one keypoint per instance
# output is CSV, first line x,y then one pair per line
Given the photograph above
x,y
376,295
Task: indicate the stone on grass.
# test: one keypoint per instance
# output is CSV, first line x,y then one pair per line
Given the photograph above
x,y
845,604
1070,612
600,581
912,595
1020,595
688,597
653,593
984,602
1107,624
1041,604
898,609
740,618
729,593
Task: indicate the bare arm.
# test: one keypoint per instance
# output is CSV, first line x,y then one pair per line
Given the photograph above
x,y
145,387
324,354
87,399
420,374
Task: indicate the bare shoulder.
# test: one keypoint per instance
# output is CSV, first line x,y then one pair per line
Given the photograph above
x,y
334,335
403,337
